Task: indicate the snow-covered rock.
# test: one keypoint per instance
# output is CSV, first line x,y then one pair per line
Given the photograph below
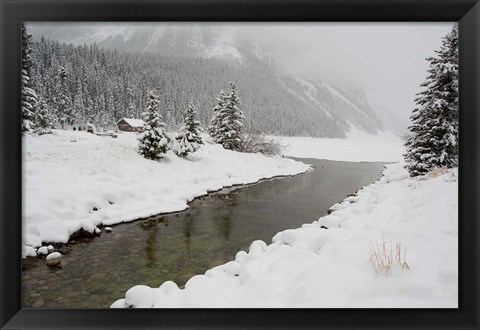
x,y
108,229
118,304
140,296
54,259
42,250
329,268
28,251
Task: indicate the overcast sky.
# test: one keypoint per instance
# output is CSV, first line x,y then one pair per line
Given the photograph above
x,y
387,60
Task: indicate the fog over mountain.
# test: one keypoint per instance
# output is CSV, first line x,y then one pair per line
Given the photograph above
x,y
331,73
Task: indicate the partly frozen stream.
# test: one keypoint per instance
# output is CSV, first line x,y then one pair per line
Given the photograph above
x,y
98,271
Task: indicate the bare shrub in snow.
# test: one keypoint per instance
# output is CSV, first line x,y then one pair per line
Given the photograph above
x,y
384,255
256,142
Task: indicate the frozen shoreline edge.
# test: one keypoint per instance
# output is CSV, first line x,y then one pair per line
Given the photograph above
x,y
235,283
238,186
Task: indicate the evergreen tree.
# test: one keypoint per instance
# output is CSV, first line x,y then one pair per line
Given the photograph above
x,y
131,111
217,117
231,131
29,97
44,120
78,105
154,140
65,110
188,139
433,140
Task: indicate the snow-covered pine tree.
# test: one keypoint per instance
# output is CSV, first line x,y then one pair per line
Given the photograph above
x,y
131,111
29,97
78,104
65,111
217,117
188,140
231,131
44,120
154,140
433,140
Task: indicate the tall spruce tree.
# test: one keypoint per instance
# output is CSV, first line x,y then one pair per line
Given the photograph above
x,y
217,118
433,140
44,118
64,106
29,97
231,131
154,141
188,139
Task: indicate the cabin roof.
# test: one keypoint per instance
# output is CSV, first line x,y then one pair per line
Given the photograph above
x,y
132,122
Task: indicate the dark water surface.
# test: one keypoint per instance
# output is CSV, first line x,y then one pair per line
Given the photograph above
x,y
98,271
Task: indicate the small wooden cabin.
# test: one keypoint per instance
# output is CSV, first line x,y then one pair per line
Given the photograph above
x,y
130,125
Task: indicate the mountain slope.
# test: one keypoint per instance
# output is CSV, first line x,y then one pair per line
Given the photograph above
x,y
191,64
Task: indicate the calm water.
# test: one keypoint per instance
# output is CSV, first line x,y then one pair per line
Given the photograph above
x,y
98,271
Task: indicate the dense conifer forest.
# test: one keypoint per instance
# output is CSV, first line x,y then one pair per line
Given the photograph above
x,y
86,84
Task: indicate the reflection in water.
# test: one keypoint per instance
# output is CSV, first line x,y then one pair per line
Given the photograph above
x,y
150,243
223,218
176,246
187,233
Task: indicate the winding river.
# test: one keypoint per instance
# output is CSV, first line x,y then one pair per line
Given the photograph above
x,y
97,271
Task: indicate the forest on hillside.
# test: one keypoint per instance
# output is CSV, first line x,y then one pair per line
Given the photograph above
x,y
102,86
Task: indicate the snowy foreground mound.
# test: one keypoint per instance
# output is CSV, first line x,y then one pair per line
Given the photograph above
x,y
75,180
317,267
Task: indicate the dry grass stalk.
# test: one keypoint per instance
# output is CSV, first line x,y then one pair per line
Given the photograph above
x,y
382,256
438,171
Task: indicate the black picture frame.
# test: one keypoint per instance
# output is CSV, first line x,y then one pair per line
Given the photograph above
x,y
13,12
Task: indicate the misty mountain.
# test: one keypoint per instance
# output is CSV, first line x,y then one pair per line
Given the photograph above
x,y
109,78
393,122
168,40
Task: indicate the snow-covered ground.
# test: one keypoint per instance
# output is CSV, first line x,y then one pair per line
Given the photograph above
x,y
357,147
75,180
78,180
316,267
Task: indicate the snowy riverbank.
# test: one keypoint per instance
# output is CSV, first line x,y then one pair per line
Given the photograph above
x,y
357,147
316,267
75,180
